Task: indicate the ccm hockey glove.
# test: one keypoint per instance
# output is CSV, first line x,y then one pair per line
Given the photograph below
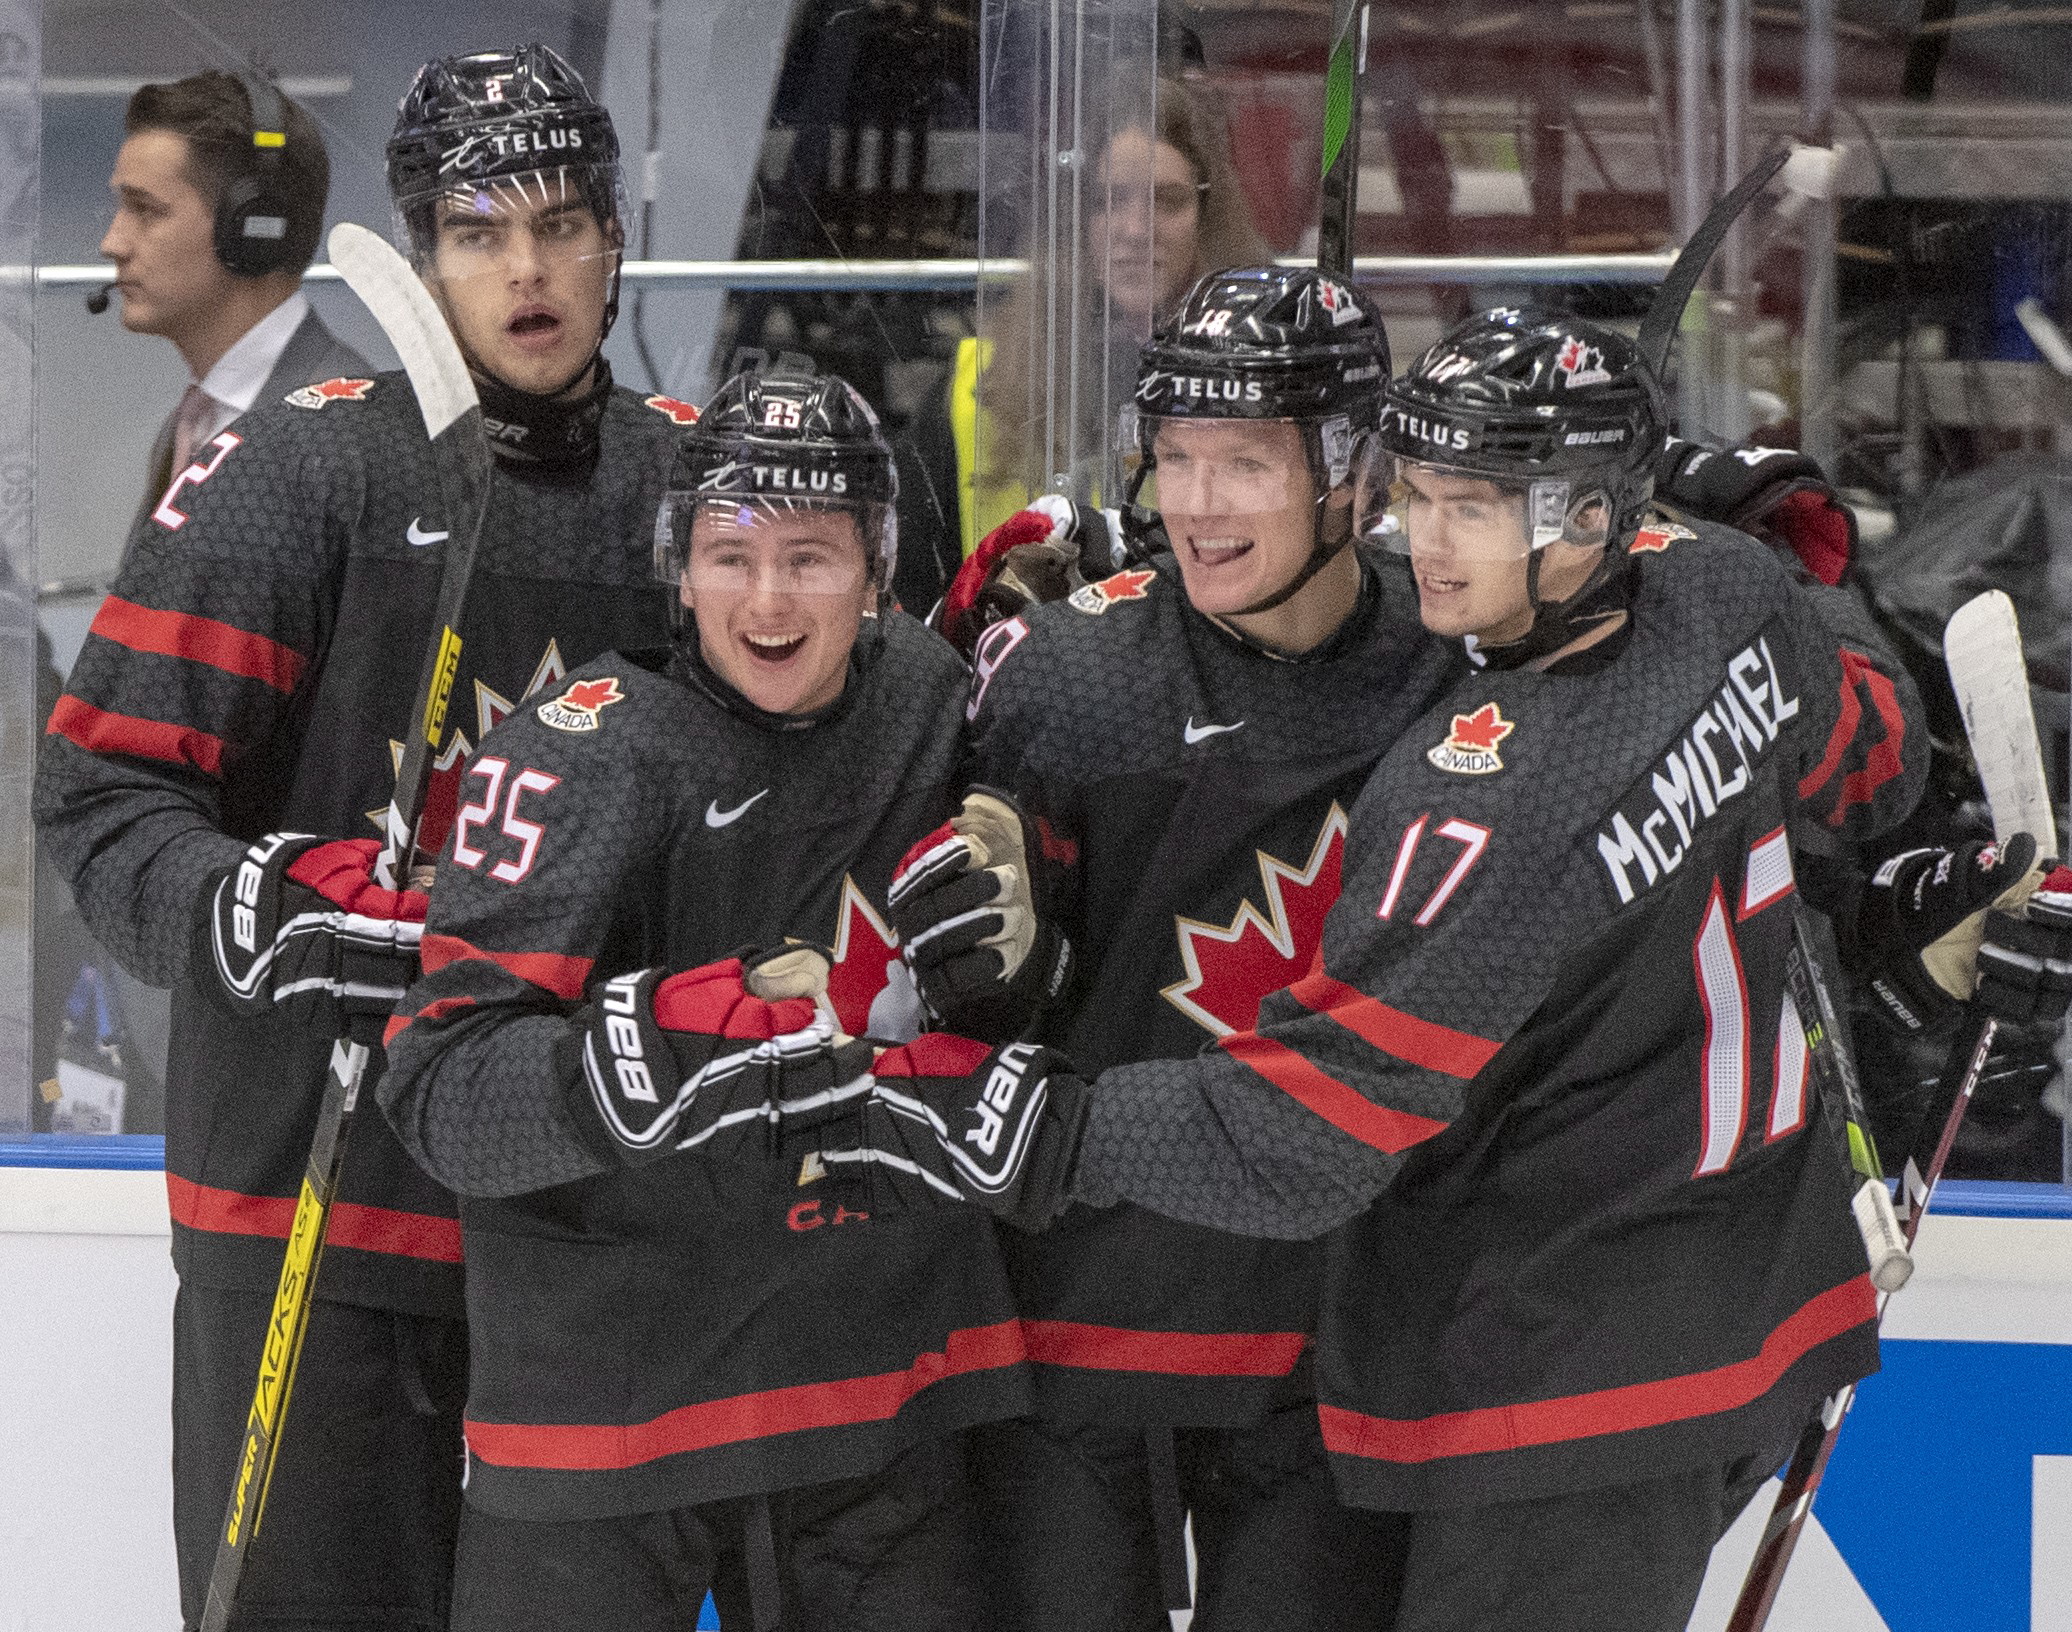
x,y
949,1119
1775,494
1923,918
968,902
299,928
1039,554
733,1051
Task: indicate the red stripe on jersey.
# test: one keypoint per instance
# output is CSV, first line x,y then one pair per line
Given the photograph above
x,y
371,1229
593,1447
200,640
551,971
1344,1108
100,732
403,1235
1418,1042
438,1009
1607,1410
1881,763
1180,1354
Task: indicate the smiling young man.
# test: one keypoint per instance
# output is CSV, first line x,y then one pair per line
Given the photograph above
x,y
251,677
246,333
1598,1264
694,1365
1191,732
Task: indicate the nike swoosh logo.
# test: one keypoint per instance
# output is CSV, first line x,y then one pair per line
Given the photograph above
x,y
418,536
715,817
1196,733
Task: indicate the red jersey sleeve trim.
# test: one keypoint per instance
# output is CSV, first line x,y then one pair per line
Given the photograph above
x,y
1346,1109
199,640
596,1447
1179,1354
551,971
1608,1410
1882,762
100,732
1406,1037
438,1009
371,1229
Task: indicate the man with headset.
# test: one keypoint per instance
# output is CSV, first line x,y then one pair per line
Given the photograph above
x,y
219,203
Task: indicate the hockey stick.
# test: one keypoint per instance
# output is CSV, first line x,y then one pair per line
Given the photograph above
x,y
460,449
1338,198
1657,332
1982,647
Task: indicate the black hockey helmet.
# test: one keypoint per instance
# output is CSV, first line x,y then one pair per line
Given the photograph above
x,y
1564,413
1265,343
787,435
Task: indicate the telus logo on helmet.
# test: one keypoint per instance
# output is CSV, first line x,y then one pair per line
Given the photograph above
x,y
734,477
1434,432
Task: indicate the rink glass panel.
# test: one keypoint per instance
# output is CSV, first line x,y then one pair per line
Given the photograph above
x,y
998,129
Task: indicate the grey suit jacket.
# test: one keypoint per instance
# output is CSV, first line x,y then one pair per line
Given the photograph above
x,y
313,353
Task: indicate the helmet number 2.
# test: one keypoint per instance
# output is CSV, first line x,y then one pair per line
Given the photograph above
x,y
782,415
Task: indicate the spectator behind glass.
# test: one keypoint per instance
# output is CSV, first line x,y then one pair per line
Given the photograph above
x,y
245,339
978,446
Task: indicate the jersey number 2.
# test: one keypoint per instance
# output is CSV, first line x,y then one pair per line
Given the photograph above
x,y
493,770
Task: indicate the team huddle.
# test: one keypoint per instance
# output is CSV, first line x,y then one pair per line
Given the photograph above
x,y
899,1126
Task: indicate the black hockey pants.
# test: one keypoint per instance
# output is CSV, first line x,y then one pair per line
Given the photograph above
x,y
892,1551
359,1525
1073,1533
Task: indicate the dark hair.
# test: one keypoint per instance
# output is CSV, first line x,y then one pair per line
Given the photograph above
x,y
212,111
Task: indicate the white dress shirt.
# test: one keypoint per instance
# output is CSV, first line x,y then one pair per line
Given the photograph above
x,y
233,385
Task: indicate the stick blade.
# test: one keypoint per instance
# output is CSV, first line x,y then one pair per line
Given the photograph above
x,y
1982,645
410,318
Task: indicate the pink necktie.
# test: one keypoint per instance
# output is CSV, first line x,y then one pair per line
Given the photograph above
x,y
197,407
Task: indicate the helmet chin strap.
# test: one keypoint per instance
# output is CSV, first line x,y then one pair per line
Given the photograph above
x,y
1603,594
1322,552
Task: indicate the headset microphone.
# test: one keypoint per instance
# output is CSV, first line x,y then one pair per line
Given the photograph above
x,y
97,302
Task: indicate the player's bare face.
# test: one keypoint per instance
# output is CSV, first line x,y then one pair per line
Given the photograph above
x,y
778,596
1144,224
523,270
1238,505
162,239
1467,552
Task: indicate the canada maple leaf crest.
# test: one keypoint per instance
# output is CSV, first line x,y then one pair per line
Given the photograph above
x,y
868,985
1471,744
1231,968
340,390
1581,362
1655,540
442,795
1131,585
577,708
677,412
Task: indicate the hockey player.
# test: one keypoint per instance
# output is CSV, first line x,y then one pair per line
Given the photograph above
x,y
251,675
1600,1266
694,1365
1192,731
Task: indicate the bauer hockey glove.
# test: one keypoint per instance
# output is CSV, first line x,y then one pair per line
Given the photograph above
x,y
971,904
1922,919
949,1119
1774,494
712,1059
299,928
1039,554
2025,956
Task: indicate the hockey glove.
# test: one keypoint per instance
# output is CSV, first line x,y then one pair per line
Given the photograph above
x,y
700,1061
969,902
1039,554
1774,494
2025,958
952,1120
300,929
1923,917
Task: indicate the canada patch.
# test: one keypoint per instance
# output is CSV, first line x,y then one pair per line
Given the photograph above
x,y
673,410
1470,747
1133,585
577,708
1654,540
328,391
1580,364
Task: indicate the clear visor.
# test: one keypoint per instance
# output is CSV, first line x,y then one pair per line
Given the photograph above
x,y
731,546
1205,468
545,222
1416,508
